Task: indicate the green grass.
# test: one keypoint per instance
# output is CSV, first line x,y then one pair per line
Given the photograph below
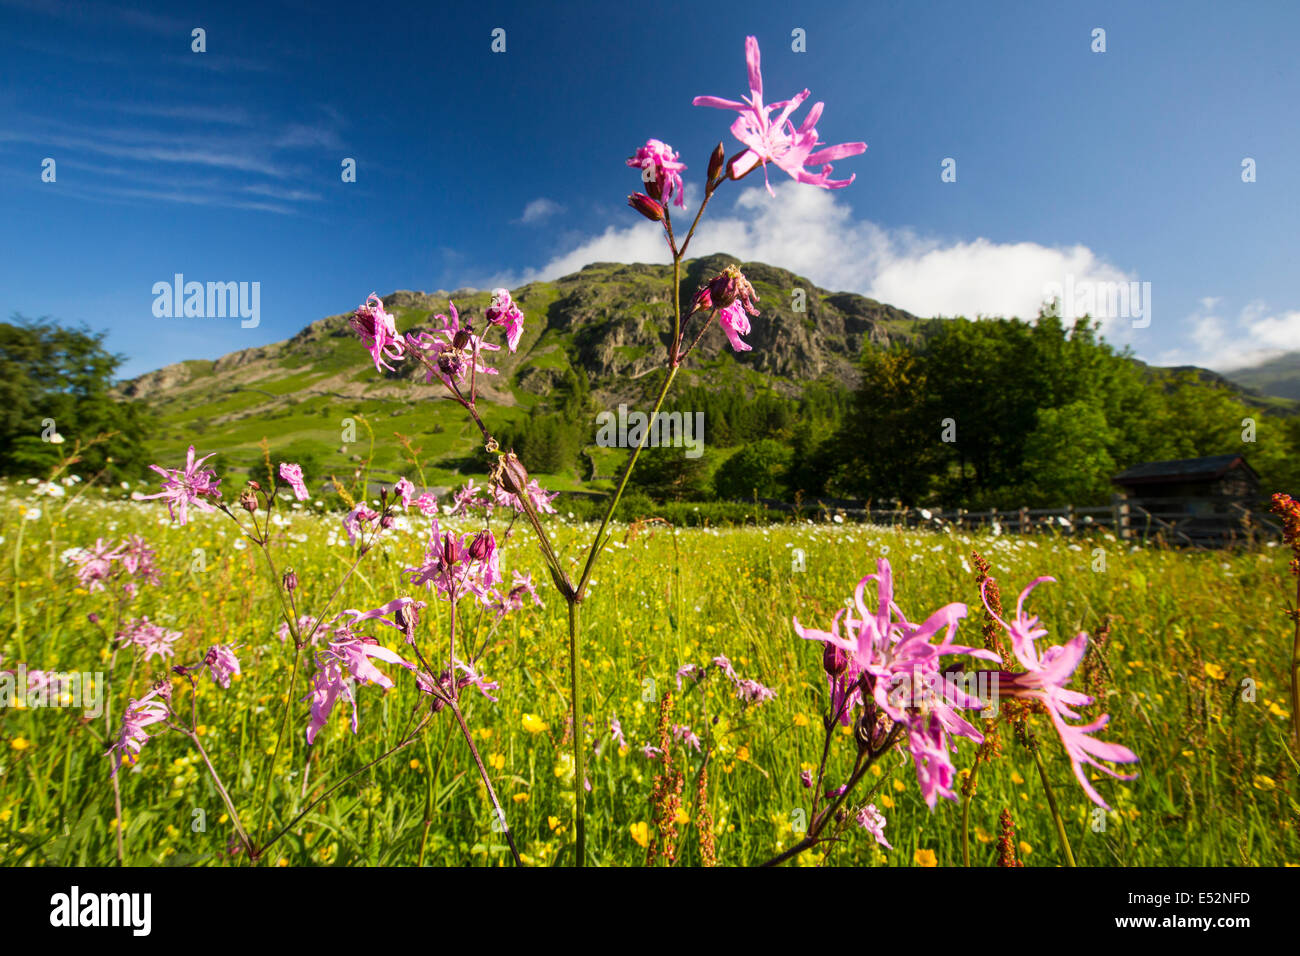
x,y
1217,785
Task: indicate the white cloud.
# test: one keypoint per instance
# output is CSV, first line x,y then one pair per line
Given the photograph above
x,y
813,233
1252,337
540,209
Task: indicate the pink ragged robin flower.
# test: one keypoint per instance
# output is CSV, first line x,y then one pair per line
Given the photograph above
x,y
191,485
350,656
358,520
902,669
405,490
378,332
451,352
873,821
730,294
661,171
221,663
775,140
94,564
293,474
138,558
505,313
152,639
1044,678
132,736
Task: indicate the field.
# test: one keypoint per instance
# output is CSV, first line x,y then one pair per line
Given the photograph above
x,y
1193,675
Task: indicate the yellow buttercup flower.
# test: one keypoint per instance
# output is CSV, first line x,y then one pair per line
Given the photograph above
x,y
533,724
641,833
1213,671
925,858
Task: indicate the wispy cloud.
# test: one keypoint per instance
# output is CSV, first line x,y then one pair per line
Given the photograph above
x,y
814,233
540,209
1254,335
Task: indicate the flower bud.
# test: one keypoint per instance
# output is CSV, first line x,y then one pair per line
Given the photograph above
x,y
655,190
715,162
834,660
646,206
92,617
248,500
290,581
461,339
407,617
387,521
482,546
513,475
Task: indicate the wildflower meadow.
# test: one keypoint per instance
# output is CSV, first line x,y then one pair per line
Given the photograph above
x,y
229,663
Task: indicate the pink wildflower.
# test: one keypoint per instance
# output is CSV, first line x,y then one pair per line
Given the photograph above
x,y
357,520
221,664
137,558
94,564
378,332
1044,679
900,669
427,504
873,821
505,313
451,351
730,294
349,656
187,486
404,489
659,166
293,474
150,638
775,140
132,737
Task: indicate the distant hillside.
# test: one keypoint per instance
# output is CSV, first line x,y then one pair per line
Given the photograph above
x,y
1279,377
609,322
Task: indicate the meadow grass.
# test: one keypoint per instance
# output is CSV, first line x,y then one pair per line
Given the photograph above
x,y
1194,637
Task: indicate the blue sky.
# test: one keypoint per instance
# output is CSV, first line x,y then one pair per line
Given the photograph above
x,y
475,168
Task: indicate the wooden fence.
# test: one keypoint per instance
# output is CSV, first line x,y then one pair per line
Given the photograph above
x,y
1189,522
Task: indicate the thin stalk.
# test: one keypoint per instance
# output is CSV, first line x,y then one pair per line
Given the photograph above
x,y
1295,670
225,797
279,740
579,748
487,781
356,773
1051,804
622,485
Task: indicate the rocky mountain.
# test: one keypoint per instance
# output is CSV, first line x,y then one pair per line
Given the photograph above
x,y
609,323
317,396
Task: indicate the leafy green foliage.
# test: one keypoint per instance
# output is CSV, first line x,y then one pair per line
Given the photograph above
x,y
50,372
983,412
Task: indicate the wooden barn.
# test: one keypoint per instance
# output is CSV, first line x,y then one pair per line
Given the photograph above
x,y
1196,500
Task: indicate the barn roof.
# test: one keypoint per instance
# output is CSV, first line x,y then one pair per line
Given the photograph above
x,y
1209,468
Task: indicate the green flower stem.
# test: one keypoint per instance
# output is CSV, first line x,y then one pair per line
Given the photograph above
x,y
1051,803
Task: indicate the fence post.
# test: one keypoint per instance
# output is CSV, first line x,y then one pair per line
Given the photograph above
x,y
1120,506
1024,520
